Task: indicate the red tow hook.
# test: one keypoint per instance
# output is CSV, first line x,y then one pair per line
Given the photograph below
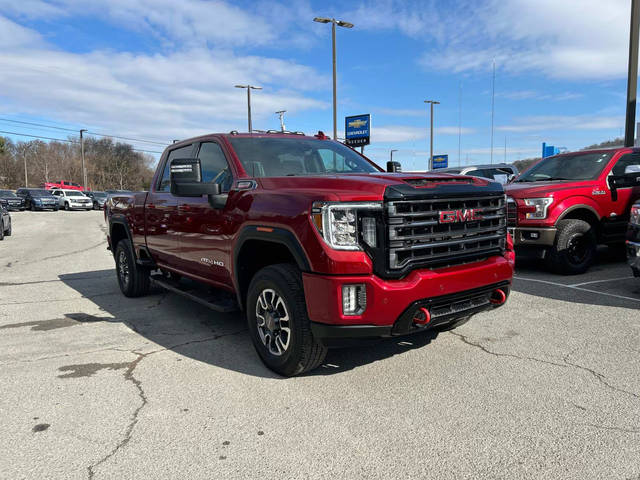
x,y
422,316
498,297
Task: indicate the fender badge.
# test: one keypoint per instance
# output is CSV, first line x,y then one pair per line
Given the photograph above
x,y
598,192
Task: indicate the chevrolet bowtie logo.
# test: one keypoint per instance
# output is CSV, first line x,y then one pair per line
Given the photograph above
x,y
357,123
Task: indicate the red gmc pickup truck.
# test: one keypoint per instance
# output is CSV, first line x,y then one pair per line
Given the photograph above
x,y
314,242
562,207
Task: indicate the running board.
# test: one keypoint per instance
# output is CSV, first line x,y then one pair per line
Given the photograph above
x,y
217,300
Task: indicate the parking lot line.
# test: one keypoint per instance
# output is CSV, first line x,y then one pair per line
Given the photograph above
x,y
574,287
600,281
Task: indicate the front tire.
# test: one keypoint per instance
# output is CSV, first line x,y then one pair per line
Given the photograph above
x,y
8,232
278,322
96,206
574,249
133,279
66,206
1,230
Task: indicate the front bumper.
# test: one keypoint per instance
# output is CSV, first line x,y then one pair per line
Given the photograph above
x,y
633,257
80,206
533,236
389,301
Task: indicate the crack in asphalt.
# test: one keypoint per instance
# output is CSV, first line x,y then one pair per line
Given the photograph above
x,y
62,299
63,254
605,427
89,277
129,376
598,376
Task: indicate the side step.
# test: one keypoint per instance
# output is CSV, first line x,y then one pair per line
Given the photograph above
x,y
217,300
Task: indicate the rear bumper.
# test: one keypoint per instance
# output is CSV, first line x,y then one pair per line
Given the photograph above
x,y
389,302
533,236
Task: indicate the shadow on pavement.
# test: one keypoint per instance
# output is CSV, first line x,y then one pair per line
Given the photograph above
x,y
192,330
608,282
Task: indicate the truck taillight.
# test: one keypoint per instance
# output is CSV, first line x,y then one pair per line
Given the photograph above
x,y
635,215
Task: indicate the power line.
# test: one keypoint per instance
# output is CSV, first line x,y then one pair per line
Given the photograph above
x,y
76,130
64,140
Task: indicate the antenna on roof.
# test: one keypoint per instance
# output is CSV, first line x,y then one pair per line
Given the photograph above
x,y
280,114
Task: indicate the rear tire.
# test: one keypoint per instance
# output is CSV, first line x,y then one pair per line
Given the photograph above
x,y
32,207
278,321
133,279
8,232
1,230
574,249
96,206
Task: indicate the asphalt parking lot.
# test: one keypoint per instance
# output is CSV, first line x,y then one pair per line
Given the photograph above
x,y
96,385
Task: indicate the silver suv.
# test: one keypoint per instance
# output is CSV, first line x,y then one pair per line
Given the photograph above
x,y
498,172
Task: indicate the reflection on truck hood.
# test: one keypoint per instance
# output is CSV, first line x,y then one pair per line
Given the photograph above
x,y
363,186
542,189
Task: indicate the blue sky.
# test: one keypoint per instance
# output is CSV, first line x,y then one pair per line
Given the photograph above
x,y
165,69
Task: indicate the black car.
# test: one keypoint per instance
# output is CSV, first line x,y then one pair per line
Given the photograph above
x,y
38,199
633,240
14,202
98,198
5,220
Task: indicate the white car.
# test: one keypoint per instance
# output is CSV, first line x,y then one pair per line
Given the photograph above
x,y
72,199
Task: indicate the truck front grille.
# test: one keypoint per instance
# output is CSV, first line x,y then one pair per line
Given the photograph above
x,y
418,236
512,212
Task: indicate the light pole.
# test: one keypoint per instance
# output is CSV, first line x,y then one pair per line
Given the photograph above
x,y
333,23
26,177
432,102
84,171
392,154
281,113
632,79
249,88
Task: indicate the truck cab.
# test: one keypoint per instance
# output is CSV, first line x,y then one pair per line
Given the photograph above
x,y
562,207
315,243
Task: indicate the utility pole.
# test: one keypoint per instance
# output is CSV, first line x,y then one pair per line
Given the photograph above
x,y
84,170
24,157
505,149
281,113
459,120
432,102
632,79
249,88
339,23
493,95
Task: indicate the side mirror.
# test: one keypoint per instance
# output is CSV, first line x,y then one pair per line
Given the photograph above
x,y
186,179
394,167
511,177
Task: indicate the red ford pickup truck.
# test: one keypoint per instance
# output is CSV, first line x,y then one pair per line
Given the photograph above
x,y
314,242
562,207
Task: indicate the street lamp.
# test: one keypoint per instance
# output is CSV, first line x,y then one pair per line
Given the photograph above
x,y
249,88
632,77
333,23
84,171
432,102
281,113
392,154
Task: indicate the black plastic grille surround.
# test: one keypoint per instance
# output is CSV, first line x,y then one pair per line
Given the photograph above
x,y
512,212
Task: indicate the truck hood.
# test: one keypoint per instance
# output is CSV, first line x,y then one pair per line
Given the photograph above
x,y
367,186
544,189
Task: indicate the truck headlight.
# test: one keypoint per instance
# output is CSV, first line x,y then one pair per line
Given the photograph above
x,y
635,215
541,206
338,223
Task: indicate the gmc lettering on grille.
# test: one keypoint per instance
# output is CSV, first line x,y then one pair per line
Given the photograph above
x,y
454,216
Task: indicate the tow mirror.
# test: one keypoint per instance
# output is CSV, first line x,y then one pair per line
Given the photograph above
x,y
393,167
186,179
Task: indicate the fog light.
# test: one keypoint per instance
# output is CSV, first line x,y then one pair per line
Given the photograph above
x,y
354,299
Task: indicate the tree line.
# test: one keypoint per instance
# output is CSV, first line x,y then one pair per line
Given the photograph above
x,y
109,164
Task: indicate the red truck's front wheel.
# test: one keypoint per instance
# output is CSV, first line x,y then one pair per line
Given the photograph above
x,y
278,322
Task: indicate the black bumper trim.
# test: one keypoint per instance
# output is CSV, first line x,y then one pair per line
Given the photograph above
x,y
324,331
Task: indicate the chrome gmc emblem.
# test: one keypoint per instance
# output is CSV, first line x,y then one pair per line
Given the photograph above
x,y
454,216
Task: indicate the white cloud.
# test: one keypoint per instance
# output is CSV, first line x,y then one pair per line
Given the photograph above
x,y
535,95
402,133
569,39
562,123
159,96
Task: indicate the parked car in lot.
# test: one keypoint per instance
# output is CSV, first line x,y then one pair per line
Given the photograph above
x,y
313,241
98,199
38,199
500,172
62,184
561,208
633,240
72,200
5,220
14,202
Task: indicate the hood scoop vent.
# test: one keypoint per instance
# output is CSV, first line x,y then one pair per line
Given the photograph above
x,y
427,182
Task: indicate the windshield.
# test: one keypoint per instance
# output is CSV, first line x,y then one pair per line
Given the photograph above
x,y
40,193
7,193
73,193
578,166
278,157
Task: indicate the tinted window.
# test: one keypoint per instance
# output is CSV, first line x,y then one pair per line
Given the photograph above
x,y
573,166
39,193
624,161
274,157
214,165
7,193
165,182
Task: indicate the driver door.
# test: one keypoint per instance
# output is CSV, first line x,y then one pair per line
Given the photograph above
x,y
619,209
